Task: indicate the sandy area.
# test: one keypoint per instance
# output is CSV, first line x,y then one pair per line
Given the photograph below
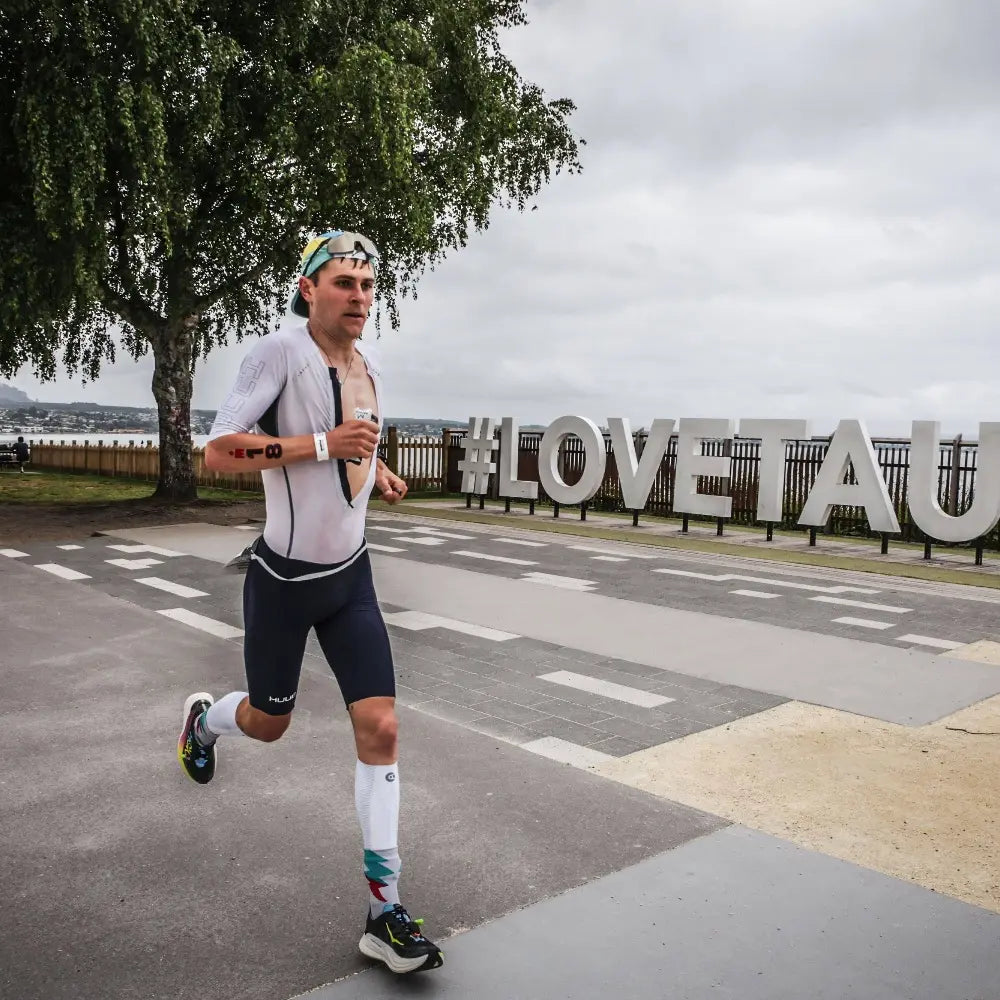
x,y
916,803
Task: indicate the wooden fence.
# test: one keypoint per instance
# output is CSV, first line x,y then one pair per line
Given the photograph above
x,y
430,464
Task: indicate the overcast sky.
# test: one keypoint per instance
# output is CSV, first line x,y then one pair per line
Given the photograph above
x,y
787,209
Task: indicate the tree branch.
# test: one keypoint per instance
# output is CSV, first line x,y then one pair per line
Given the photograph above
x,y
206,301
131,309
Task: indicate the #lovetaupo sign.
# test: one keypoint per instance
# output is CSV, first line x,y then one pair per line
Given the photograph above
x,y
850,445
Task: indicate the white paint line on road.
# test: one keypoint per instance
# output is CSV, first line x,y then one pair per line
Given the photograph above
x,y
178,589
154,550
926,640
566,753
489,558
69,548
384,548
135,563
13,553
606,689
382,527
444,534
210,625
62,571
693,575
769,580
564,582
887,609
522,541
248,527
617,552
864,623
417,621
753,593
418,540
609,559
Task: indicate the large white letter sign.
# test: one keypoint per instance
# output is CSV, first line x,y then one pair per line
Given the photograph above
x,y
510,485
850,445
771,475
636,477
922,489
478,462
691,464
595,459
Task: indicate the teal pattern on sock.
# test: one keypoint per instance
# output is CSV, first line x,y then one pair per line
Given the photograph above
x,y
382,872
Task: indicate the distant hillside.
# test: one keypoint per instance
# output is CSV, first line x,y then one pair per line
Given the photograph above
x,y
8,394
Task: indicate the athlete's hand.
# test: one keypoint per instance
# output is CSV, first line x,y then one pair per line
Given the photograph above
x,y
392,488
353,439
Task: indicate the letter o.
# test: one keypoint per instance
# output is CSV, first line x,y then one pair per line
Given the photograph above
x,y
595,460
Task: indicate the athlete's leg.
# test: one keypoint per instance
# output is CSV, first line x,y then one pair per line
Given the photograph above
x,y
356,644
274,643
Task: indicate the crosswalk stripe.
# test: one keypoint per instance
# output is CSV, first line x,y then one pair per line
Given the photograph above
x,y
566,753
177,589
202,623
606,689
864,623
887,609
62,571
491,558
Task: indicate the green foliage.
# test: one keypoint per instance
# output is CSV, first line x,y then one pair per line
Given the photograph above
x,y
164,161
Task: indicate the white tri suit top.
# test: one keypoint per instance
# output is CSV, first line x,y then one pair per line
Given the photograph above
x,y
285,388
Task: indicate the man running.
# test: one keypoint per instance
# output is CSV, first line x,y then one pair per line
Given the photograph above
x,y
315,400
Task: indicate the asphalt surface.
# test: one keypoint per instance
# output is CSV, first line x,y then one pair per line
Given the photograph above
x,y
125,880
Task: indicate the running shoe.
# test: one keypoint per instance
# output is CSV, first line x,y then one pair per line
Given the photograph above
x,y
395,939
198,761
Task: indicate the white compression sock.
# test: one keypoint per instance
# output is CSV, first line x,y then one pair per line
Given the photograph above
x,y
221,717
376,796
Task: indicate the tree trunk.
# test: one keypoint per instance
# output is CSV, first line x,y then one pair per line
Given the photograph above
x,y
173,381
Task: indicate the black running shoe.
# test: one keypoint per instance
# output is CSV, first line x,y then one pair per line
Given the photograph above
x,y
395,939
198,761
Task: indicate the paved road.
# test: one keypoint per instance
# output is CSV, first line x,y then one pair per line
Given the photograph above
x,y
125,880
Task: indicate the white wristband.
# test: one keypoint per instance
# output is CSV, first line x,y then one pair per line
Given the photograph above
x,y
322,448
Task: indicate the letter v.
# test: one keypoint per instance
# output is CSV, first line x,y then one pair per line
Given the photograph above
x,y
636,477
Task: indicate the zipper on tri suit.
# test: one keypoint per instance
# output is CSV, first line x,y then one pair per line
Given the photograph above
x,y
338,419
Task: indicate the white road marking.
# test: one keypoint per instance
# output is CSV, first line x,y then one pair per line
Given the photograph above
x,y
382,527
419,540
926,640
606,689
444,534
864,623
134,563
69,548
609,559
170,587
566,753
753,593
13,553
618,552
247,527
565,582
489,558
769,580
887,609
417,621
210,625
151,549
63,571
384,548
522,541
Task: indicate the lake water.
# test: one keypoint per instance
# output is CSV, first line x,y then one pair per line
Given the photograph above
x,y
108,438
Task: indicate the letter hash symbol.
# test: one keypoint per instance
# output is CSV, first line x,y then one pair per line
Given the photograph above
x,y
480,443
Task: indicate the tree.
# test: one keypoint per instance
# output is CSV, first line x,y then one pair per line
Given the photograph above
x,y
164,161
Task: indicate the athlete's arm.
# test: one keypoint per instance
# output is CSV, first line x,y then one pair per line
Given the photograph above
x,y
392,488
233,448
242,452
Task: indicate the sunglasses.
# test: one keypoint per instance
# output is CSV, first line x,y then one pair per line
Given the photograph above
x,y
345,243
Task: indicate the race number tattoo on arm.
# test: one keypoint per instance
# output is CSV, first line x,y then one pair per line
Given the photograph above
x,y
270,451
